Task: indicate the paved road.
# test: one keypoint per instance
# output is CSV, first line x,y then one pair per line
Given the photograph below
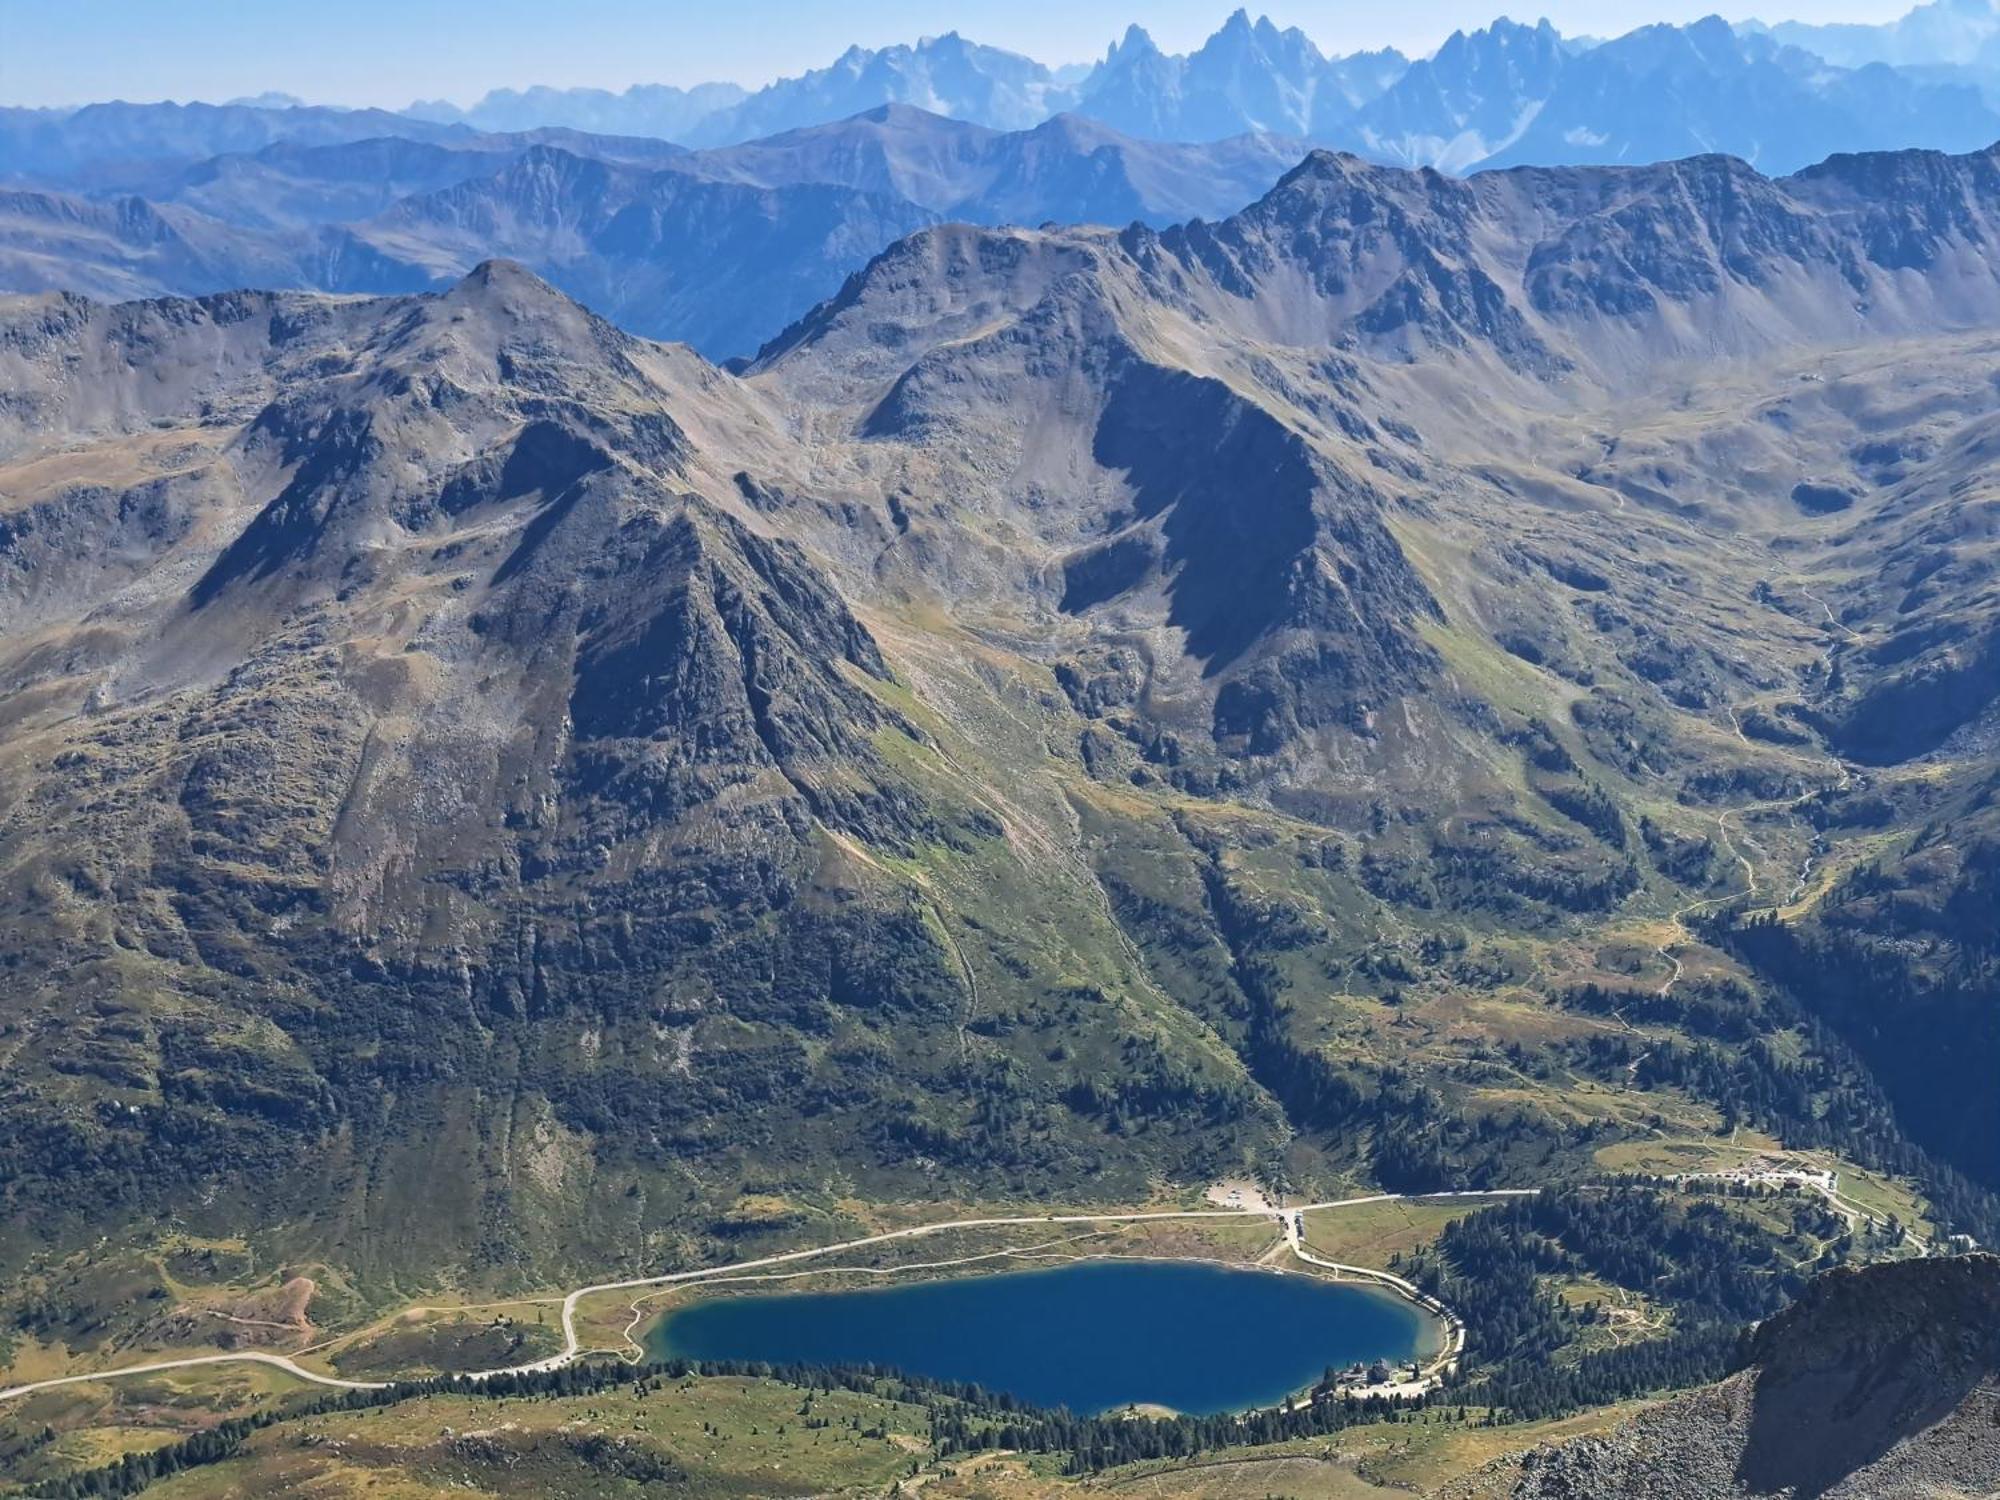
x,y
1454,1326
278,1361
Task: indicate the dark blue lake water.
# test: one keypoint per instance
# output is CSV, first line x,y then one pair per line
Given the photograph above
x,y
1090,1336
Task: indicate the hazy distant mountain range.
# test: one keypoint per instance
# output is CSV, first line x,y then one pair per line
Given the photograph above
x,y
1780,96
645,109
717,215
1941,33
1637,98
1457,109
719,248
1234,623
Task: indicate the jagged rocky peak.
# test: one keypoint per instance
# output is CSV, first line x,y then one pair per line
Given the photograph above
x,y
1136,42
1614,268
1341,251
937,284
1290,607
1095,396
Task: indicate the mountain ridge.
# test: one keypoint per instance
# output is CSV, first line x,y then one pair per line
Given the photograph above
x,y
1751,90
1657,92
870,754
779,222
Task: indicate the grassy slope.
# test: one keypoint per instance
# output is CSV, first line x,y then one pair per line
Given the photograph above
x,y
743,1437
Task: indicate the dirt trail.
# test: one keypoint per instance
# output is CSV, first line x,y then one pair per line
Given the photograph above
x,y
1683,932
1844,778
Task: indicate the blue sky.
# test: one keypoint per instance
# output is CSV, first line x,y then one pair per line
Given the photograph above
x,y
389,52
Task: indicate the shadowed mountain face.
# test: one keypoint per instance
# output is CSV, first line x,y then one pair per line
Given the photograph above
x,y
452,691
710,263
1325,297
1082,709
1877,1383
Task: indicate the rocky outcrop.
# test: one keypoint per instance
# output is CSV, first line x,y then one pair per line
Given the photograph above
x,y
1877,1384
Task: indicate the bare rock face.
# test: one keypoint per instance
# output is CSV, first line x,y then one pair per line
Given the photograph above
x,y
404,681
1877,1383
1060,357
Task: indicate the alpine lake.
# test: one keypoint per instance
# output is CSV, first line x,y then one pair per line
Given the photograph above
x,y
1092,1336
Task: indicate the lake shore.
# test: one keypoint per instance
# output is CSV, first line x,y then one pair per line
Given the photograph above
x,y
1097,1333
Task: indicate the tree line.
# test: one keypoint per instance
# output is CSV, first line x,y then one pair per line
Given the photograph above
x,y
964,1417
1716,1272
